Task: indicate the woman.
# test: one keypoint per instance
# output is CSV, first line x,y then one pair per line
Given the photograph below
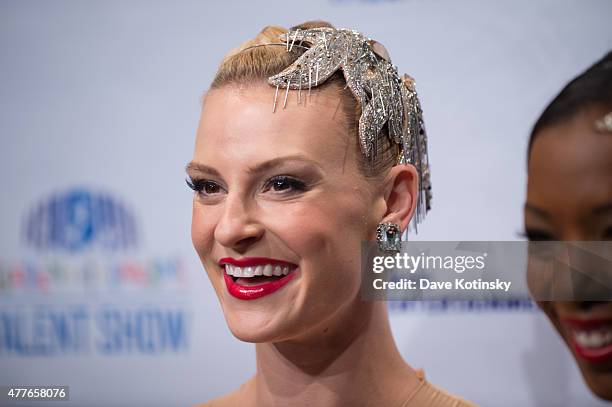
x,y
288,184
569,197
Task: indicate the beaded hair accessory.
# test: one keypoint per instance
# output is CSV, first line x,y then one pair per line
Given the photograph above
x,y
604,125
385,97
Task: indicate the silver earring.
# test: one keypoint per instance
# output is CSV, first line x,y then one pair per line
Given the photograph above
x,y
388,237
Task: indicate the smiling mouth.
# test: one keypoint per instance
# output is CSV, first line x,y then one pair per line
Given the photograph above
x,y
594,339
255,277
591,339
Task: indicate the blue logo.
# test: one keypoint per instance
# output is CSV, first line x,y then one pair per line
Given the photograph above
x,y
78,220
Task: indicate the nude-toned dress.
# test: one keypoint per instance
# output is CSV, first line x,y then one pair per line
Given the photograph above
x,y
425,395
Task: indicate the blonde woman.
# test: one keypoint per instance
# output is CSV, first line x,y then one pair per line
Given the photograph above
x,y
308,142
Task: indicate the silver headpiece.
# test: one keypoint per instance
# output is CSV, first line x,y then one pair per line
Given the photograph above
x,y
384,96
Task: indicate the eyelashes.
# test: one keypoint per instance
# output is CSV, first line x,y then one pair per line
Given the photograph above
x,y
281,184
203,186
541,235
192,184
537,235
284,183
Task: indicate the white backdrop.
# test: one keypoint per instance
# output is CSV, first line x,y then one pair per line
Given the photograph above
x,y
105,97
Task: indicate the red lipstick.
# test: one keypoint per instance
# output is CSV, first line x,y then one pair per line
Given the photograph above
x,y
598,352
254,291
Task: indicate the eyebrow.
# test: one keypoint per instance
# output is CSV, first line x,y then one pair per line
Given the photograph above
x,y
534,209
259,168
598,210
199,167
275,162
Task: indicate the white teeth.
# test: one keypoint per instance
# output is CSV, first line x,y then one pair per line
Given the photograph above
x,y
261,270
593,339
267,271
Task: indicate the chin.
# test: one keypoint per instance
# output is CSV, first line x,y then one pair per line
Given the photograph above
x,y
253,328
245,334
600,384
595,364
597,376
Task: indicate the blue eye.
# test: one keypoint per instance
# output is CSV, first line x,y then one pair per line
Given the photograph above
x,y
284,184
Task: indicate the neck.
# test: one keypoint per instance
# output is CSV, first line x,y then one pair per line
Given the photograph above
x,y
350,360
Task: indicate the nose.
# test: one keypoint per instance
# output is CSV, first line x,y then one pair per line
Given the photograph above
x,y
238,227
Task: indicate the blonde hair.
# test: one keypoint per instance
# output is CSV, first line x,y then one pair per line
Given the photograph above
x,y
251,63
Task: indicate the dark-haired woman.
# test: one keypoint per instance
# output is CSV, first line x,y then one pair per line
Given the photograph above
x,y
569,198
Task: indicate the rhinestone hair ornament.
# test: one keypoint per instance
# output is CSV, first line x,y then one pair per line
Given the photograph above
x,y
384,96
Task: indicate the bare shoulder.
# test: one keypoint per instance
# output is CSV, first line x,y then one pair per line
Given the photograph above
x,y
232,399
226,400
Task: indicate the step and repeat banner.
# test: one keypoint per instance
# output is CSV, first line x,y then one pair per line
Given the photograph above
x,y
100,288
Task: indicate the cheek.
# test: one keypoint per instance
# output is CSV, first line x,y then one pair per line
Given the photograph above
x,y
550,308
326,238
327,233
201,231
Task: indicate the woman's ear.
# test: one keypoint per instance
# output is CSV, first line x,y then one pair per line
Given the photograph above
x,y
400,193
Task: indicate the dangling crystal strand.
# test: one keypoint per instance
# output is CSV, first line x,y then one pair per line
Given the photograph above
x,y
294,37
286,94
275,97
309,80
382,103
300,89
